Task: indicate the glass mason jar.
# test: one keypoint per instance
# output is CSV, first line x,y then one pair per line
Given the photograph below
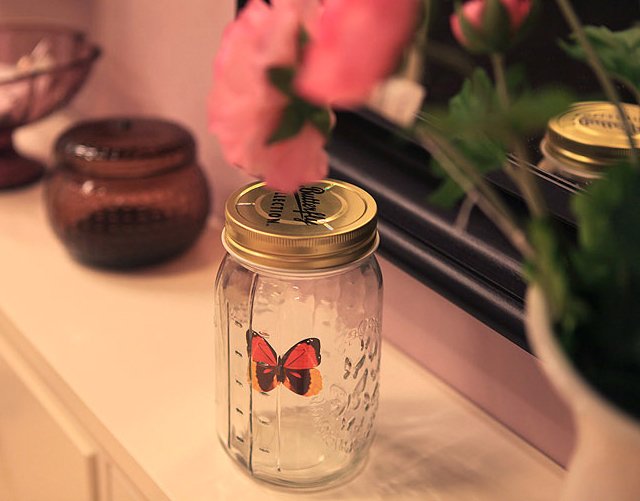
x,y
299,303
586,140
126,192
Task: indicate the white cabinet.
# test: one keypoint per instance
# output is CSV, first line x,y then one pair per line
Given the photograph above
x,y
44,455
52,448
121,488
107,382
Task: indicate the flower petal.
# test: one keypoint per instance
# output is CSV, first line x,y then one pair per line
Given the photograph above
x,y
245,108
296,161
357,43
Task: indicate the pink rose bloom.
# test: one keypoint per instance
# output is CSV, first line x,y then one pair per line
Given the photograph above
x,y
245,109
473,12
356,44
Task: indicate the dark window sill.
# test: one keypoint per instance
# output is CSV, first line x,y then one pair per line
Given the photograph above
x,y
476,269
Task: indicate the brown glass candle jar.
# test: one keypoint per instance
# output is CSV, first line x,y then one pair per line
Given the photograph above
x,y
126,192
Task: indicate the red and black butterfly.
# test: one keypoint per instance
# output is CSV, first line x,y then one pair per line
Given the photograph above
x,y
296,369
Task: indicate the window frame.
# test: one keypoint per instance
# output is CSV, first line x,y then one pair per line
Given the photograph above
x,y
476,269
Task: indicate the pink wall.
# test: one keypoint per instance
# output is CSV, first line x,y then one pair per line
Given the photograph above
x,y
491,371
157,60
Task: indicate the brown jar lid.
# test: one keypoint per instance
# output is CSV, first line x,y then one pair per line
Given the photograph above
x,y
124,147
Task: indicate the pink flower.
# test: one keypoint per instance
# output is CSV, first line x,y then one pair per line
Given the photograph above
x,y
245,108
493,34
357,43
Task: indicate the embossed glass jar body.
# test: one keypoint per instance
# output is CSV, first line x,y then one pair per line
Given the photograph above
x,y
279,435
298,359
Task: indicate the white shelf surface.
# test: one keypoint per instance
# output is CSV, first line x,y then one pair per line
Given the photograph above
x,y
135,350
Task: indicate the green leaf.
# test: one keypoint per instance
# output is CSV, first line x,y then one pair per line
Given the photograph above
x,y
321,119
475,111
298,111
303,38
485,154
531,111
551,269
291,123
474,39
476,98
595,287
619,51
294,117
479,126
281,77
608,216
494,34
497,25
517,79
548,268
447,195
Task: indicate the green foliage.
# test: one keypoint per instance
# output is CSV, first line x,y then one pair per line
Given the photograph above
x,y
321,119
552,269
607,268
482,130
592,283
493,35
486,155
476,109
291,123
496,32
619,51
609,223
593,286
298,112
477,98
303,40
530,113
281,77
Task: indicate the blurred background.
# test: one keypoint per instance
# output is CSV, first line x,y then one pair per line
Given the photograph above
x,y
156,60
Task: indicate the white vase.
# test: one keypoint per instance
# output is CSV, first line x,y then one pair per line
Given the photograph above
x,y
605,465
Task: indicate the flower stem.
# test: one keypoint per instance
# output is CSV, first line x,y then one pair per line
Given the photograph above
x,y
468,178
497,62
449,57
600,72
629,85
520,175
464,214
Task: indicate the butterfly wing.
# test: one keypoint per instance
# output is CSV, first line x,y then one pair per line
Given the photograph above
x,y
264,362
306,382
299,363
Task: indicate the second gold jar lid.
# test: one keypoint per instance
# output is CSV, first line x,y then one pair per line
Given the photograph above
x,y
322,225
589,137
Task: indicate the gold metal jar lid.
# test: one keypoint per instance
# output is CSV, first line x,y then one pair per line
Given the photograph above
x,y
589,137
322,225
